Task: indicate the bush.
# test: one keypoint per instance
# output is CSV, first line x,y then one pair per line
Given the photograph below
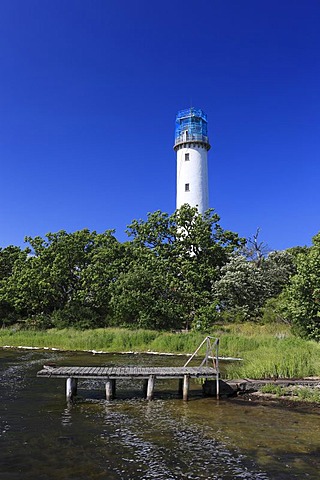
x,y
274,311
205,317
76,316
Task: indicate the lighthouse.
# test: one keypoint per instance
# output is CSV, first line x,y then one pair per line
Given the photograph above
x,y
192,145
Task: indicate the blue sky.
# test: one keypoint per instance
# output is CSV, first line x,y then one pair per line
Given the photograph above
x,y
89,90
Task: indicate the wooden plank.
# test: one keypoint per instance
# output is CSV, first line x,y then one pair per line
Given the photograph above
x,y
129,372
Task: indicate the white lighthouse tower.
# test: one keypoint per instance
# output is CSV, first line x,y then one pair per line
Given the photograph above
x,y
192,145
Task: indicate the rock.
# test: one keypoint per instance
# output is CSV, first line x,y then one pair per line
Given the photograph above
x,y
209,388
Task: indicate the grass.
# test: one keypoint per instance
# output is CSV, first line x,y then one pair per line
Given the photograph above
x,y
305,394
278,358
274,390
267,350
108,339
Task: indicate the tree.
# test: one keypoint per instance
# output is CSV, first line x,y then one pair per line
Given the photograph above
x,y
162,278
9,256
240,291
302,296
108,261
244,285
147,295
254,249
277,268
52,280
187,250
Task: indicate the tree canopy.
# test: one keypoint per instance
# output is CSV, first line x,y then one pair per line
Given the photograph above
x,y
175,271
301,297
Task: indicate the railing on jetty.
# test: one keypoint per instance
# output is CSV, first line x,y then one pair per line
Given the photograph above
x,y
148,374
212,352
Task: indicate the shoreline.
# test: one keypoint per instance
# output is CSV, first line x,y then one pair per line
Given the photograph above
x,y
103,352
240,391
271,400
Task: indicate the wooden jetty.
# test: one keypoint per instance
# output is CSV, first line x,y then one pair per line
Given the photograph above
x,y
109,375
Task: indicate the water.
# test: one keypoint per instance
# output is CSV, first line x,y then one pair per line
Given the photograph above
x,y
42,437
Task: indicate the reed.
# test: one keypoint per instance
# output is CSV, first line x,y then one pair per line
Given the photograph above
x,y
107,340
278,358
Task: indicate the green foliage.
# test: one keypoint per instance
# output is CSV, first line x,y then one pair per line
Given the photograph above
x,y
244,286
275,311
178,260
206,316
274,389
77,316
179,271
8,258
55,279
305,394
276,358
268,351
302,296
146,297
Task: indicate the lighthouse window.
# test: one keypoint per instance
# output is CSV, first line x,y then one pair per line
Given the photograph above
x,y
187,187
186,157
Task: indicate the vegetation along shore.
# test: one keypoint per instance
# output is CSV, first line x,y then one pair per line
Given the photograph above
x,y
175,273
268,351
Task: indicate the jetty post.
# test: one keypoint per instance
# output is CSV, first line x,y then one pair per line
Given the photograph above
x,y
186,383
110,389
150,387
180,387
71,388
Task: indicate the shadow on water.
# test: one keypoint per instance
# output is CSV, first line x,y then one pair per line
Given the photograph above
x,y
44,438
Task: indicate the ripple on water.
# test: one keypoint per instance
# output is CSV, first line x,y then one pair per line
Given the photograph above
x,y
156,446
137,440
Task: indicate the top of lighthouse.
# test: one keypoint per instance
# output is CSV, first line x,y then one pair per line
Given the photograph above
x,y
191,127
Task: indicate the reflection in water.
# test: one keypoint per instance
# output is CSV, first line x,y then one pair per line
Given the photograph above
x,y
66,418
129,439
165,449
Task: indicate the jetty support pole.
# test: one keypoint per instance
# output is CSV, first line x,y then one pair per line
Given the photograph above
x,y
71,388
145,388
180,387
186,382
110,389
216,364
150,387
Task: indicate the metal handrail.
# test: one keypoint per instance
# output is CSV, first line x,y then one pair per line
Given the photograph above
x,y
215,358
191,138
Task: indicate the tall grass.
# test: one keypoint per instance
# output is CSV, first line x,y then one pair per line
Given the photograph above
x,y
267,350
282,358
107,340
